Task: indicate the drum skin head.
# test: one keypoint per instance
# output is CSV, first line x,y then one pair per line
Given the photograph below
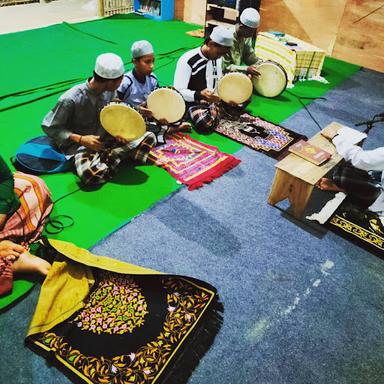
x,y
272,80
235,87
166,103
122,120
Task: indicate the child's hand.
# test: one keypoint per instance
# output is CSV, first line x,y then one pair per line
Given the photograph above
x,y
121,140
146,112
208,95
252,70
92,142
163,121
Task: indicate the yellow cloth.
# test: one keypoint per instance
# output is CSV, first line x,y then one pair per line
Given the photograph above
x,y
269,49
304,63
309,60
69,281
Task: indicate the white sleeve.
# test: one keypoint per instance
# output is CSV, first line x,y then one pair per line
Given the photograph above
x,y
182,76
372,160
219,68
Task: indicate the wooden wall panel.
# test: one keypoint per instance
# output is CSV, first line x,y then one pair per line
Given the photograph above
x,y
332,25
194,11
315,21
360,38
276,15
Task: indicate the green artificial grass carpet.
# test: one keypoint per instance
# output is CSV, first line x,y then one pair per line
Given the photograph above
x,y
41,64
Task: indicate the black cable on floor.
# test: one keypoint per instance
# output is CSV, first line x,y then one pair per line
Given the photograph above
x,y
301,98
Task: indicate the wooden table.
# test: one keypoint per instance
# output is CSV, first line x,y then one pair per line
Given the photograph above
x,y
296,177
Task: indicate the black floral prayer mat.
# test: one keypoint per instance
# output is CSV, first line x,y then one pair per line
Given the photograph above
x,y
258,134
135,329
360,226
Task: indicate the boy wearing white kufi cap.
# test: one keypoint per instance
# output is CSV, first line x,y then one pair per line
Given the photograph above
x,y
242,57
139,83
197,74
109,66
75,128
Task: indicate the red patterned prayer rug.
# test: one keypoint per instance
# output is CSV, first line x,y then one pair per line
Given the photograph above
x,y
104,321
191,162
256,133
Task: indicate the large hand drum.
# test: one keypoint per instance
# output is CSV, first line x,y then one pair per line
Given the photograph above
x,y
235,87
272,80
123,121
166,103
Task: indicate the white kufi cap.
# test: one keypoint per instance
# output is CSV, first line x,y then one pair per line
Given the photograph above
x,y
109,66
222,36
141,48
250,18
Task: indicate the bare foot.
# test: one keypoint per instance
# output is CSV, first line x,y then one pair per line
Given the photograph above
x,y
183,127
10,250
328,185
27,263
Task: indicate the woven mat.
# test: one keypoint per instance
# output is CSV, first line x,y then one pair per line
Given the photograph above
x,y
258,134
364,228
130,327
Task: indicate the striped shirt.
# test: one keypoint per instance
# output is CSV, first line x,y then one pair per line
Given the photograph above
x,y
195,72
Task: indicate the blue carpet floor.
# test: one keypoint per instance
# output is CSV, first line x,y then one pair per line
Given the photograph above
x,y
298,308
357,99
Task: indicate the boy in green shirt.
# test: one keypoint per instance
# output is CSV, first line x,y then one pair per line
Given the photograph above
x,y
242,57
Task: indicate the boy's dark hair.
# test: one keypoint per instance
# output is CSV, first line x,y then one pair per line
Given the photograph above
x,y
99,79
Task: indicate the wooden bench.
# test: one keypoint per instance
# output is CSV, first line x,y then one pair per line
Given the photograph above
x,y
296,177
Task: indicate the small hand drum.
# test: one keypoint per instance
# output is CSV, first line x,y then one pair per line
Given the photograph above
x,y
272,80
123,121
235,87
166,103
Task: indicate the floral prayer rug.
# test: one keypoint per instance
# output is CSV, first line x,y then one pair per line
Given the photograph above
x,y
256,133
132,326
359,226
191,162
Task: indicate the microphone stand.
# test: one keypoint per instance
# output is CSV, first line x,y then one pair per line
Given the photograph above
x,y
376,119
